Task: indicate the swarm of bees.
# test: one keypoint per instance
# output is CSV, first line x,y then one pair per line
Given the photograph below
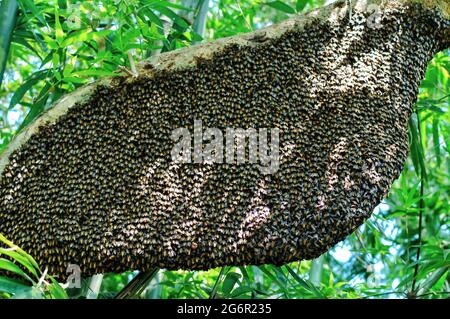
x,y
98,187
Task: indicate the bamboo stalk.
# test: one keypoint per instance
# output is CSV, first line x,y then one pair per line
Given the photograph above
x,y
8,17
137,285
432,280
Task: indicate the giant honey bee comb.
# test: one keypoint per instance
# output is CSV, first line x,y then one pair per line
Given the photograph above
x,y
91,181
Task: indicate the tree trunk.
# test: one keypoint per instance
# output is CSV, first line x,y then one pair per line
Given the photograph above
x,y
93,181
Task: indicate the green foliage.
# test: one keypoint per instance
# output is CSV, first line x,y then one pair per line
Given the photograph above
x,y
8,9
31,282
58,46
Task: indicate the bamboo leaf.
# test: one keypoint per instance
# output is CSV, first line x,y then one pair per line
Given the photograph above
x,y
59,33
228,284
72,79
19,250
56,291
239,291
244,272
13,286
20,92
23,41
36,13
280,284
154,19
94,72
281,6
172,15
300,5
433,279
304,284
436,144
213,292
173,5
20,259
416,150
38,106
7,265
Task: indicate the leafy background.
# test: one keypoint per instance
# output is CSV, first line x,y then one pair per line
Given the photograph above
x,y
49,48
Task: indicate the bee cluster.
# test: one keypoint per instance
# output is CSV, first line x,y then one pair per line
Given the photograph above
x,y
98,188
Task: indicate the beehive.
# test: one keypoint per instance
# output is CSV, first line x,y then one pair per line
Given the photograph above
x,y
91,182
